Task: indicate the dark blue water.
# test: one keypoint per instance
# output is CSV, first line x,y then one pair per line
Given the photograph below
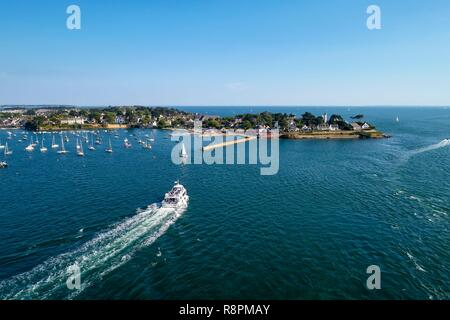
x,y
309,232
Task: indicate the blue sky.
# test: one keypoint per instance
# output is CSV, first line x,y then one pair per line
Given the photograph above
x,y
225,52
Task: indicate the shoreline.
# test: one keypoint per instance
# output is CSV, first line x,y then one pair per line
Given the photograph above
x,y
337,135
315,135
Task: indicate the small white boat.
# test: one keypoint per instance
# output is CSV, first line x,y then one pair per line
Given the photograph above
x,y
3,164
183,153
63,150
147,145
43,148
397,120
109,149
80,151
7,151
54,145
91,146
126,143
30,147
2,146
32,143
176,198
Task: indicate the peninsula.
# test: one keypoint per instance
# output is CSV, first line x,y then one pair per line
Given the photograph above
x,y
306,126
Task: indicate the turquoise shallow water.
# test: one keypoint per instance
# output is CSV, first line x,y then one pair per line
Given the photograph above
x,y
309,232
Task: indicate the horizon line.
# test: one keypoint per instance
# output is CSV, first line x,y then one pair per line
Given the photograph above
x,y
225,106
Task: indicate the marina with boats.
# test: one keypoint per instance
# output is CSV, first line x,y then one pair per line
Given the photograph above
x,y
31,142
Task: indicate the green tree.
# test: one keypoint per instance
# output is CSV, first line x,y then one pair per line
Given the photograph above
x,y
246,125
110,117
162,124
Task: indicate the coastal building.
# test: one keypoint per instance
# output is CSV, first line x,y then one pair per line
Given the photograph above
x,y
293,127
365,126
325,117
119,120
333,127
261,129
356,126
73,121
327,127
306,128
322,127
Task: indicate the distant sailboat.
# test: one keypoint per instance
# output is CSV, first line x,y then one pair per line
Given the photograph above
x,y
91,147
1,145
63,150
30,147
32,143
126,143
398,120
147,145
54,145
109,149
183,153
43,148
80,151
7,151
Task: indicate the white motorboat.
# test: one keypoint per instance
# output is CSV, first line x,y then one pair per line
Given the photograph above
x,y
176,198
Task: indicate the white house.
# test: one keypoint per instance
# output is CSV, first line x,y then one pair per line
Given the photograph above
x,y
333,127
306,128
365,126
72,121
356,126
323,127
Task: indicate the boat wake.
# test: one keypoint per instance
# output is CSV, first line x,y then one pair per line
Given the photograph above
x,y
442,144
96,258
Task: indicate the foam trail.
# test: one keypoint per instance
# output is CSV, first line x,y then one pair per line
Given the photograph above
x,y
442,144
96,258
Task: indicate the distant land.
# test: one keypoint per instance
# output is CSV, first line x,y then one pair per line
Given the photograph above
x,y
66,117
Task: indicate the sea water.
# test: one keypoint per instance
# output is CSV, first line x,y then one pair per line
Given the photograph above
x,y
309,232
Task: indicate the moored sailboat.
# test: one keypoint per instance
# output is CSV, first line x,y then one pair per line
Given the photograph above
x,y
183,153
91,146
109,149
63,150
43,148
80,151
30,147
147,145
54,145
7,151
